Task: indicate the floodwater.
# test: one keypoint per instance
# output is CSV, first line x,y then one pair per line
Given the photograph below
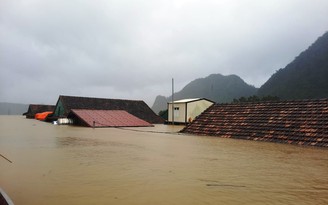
x,y
76,165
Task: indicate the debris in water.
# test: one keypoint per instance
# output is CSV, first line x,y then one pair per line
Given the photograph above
x,y
6,158
225,185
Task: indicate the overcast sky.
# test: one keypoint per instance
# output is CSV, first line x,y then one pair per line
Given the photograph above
x,y
131,49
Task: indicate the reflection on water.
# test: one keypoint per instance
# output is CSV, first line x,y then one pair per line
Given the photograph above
x,y
76,165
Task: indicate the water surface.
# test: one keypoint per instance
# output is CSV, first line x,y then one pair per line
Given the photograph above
x,y
76,165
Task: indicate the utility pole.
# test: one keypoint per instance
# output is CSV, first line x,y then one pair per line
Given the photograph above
x,y
172,101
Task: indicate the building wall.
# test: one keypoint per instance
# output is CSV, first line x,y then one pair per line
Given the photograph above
x,y
193,110
179,112
196,108
59,110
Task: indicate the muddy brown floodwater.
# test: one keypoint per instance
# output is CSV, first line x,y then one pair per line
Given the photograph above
x,y
76,165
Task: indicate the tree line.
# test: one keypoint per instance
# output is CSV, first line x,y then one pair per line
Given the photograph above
x,y
255,98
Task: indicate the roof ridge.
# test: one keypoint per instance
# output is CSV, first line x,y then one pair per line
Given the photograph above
x,y
98,98
277,102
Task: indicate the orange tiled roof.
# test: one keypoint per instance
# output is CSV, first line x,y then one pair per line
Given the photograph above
x,y
303,122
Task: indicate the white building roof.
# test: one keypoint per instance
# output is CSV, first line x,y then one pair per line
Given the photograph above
x,y
187,100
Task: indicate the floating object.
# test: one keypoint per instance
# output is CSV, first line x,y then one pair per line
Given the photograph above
x,y
65,121
6,158
43,115
4,198
226,185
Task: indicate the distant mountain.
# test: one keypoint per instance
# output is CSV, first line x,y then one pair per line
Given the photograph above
x,y
159,104
12,108
216,87
304,78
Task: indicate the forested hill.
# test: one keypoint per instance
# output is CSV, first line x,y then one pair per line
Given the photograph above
x,y
304,78
216,87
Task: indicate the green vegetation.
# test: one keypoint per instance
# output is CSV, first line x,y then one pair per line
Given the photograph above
x,y
218,88
255,98
304,78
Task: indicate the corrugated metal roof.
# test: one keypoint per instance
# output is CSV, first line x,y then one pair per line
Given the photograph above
x,y
108,118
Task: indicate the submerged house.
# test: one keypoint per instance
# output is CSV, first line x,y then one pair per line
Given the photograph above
x,y
137,108
106,118
33,109
302,122
186,110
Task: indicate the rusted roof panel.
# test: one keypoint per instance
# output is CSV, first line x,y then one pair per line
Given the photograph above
x,y
107,118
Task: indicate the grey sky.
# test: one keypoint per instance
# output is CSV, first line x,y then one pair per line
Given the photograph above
x,y
131,49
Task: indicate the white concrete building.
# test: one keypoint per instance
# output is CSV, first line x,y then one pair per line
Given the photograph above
x,y
187,110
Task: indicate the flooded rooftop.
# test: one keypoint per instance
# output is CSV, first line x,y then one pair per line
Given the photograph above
x,y
153,165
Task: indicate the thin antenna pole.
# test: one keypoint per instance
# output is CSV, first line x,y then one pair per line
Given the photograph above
x,y
172,101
